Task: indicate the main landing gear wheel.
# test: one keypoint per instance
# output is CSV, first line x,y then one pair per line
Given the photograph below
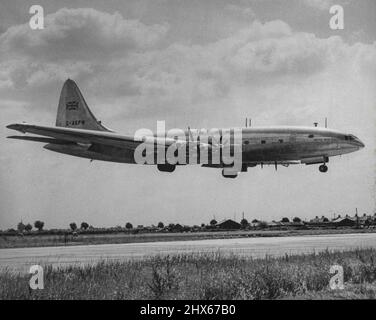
x,y
231,175
323,168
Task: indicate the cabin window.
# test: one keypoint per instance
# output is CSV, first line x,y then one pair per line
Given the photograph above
x,y
311,136
263,141
246,142
280,140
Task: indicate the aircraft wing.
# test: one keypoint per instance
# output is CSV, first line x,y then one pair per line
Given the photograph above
x,y
84,136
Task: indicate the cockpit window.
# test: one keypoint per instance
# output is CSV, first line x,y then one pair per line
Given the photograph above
x,y
349,138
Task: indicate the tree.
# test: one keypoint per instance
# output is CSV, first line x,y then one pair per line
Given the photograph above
x,y
255,221
213,222
285,220
297,220
73,226
84,225
171,226
244,223
160,225
263,224
20,227
178,227
39,225
28,227
128,225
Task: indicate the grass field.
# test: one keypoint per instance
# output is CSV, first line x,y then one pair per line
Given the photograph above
x,y
43,240
205,276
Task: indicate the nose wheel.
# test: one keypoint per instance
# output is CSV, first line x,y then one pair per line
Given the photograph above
x,y
323,168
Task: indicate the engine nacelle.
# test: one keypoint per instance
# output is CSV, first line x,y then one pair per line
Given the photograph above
x,y
315,160
166,167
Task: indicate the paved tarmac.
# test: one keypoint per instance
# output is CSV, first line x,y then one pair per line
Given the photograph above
x,y
20,259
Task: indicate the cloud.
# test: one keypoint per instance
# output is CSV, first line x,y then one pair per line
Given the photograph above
x,y
240,11
73,42
81,34
126,65
248,56
263,53
325,4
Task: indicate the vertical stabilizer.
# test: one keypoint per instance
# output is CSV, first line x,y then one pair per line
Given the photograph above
x,y
73,112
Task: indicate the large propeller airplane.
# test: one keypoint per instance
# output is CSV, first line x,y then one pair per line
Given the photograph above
x,y
78,133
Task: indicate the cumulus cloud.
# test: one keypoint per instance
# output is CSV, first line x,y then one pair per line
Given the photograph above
x,y
325,4
240,11
247,57
125,60
81,34
72,42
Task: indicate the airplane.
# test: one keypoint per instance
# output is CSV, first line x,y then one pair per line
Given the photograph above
x,y
78,133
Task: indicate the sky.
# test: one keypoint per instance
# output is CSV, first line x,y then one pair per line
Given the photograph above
x,y
190,63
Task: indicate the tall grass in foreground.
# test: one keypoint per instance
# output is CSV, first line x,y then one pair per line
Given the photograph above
x,y
204,276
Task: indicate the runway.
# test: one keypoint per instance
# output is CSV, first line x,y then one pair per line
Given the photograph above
x,y
20,259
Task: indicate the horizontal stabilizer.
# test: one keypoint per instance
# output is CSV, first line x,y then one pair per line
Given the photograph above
x,y
40,139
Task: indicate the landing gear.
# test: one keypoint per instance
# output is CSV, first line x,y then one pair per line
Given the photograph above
x,y
166,167
323,168
231,175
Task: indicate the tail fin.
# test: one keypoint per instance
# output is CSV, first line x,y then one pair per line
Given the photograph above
x,y
73,112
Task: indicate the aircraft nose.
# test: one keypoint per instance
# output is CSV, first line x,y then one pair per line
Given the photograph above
x,y
360,143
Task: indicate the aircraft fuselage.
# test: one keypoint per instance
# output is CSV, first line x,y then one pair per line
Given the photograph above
x,y
78,133
260,145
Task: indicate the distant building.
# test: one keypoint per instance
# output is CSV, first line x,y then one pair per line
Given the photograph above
x,y
255,223
319,220
364,219
228,224
291,224
297,224
346,221
274,224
